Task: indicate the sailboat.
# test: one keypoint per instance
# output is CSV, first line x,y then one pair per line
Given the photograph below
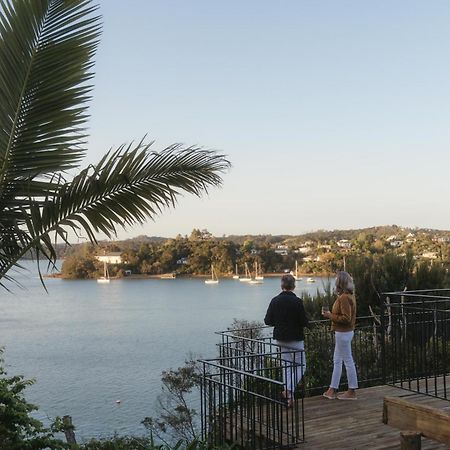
x,y
236,277
295,275
105,278
247,276
257,279
213,279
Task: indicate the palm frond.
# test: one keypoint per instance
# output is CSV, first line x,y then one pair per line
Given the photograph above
x,y
46,57
128,186
46,49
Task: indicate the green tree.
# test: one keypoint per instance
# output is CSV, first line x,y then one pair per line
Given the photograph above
x,y
78,266
46,57
18,429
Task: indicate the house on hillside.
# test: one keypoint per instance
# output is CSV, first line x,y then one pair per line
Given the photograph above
x,y
110,258
282,250
344,243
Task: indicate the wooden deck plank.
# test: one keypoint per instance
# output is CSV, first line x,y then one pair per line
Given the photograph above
x,y
335,424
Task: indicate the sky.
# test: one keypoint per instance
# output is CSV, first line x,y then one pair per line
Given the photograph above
x,y
335,114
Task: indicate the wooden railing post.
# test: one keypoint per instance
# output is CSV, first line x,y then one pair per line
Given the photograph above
x,y
68,430
410,440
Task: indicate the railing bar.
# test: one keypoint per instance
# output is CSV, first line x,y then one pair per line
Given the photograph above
x,y
217,383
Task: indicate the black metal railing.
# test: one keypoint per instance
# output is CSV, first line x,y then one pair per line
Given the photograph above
x,y
416,340
366,349
407,345
242,397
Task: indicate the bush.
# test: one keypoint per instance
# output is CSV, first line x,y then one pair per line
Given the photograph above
x,y
18,430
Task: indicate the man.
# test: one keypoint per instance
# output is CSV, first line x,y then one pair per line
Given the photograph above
x,y
287,315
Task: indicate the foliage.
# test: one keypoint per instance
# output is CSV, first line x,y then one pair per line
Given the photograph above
x,y
319,347
313,303
132,443
79,267
18,429
374,274
46,55
176,418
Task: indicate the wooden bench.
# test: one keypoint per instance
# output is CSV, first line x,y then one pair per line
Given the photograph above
x,y
422,420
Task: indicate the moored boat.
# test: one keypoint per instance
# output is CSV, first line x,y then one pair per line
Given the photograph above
x,y
213,279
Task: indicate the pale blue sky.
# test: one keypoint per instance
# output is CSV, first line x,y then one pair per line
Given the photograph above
x,y
334,113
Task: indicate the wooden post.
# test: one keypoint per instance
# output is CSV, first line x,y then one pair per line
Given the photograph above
x,y
410,440
68,430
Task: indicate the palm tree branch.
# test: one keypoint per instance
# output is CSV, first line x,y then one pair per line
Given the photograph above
x,y
128,186
46,47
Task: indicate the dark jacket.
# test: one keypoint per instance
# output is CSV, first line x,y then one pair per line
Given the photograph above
x,y
287,315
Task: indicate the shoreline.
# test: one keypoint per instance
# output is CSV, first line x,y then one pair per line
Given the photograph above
x,y
165,276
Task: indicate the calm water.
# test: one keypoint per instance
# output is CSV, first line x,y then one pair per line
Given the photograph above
x,y
89,344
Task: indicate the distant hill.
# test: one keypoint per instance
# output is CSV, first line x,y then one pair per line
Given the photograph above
x,y
378,232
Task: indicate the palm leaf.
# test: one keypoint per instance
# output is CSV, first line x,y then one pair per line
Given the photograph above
x,y
46,49
129,185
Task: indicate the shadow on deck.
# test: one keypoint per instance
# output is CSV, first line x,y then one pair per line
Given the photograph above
x,y
336,424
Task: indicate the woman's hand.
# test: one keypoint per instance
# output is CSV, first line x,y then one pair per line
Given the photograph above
x,y
326,314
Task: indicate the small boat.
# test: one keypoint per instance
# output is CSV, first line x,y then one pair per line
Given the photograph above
x,y
168,276
247,277
311,280
105,278
258,277
295,275
213,279
236,277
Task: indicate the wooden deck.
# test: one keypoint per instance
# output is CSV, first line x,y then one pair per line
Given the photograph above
x,y
335,424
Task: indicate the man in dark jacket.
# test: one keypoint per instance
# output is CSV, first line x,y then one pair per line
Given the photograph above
x,y
287,315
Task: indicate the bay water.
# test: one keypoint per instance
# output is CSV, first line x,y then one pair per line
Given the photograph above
x,y
89,344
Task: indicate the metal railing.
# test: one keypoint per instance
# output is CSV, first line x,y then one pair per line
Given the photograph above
x,y
407,345
417,341
242,395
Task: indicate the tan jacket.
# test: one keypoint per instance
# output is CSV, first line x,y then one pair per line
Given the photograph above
x,y
343,313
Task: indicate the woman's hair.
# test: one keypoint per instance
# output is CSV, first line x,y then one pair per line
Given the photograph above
x,y
344,283
288,282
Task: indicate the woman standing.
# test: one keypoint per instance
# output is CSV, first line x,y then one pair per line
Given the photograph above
x,y
343,318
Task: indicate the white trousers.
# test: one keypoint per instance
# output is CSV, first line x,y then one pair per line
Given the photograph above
x,y
294,364
343,354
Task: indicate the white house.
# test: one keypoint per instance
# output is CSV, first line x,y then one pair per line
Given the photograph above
x,y
344,243
110,258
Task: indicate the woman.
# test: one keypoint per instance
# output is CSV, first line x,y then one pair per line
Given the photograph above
x,y
343,318
287,315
